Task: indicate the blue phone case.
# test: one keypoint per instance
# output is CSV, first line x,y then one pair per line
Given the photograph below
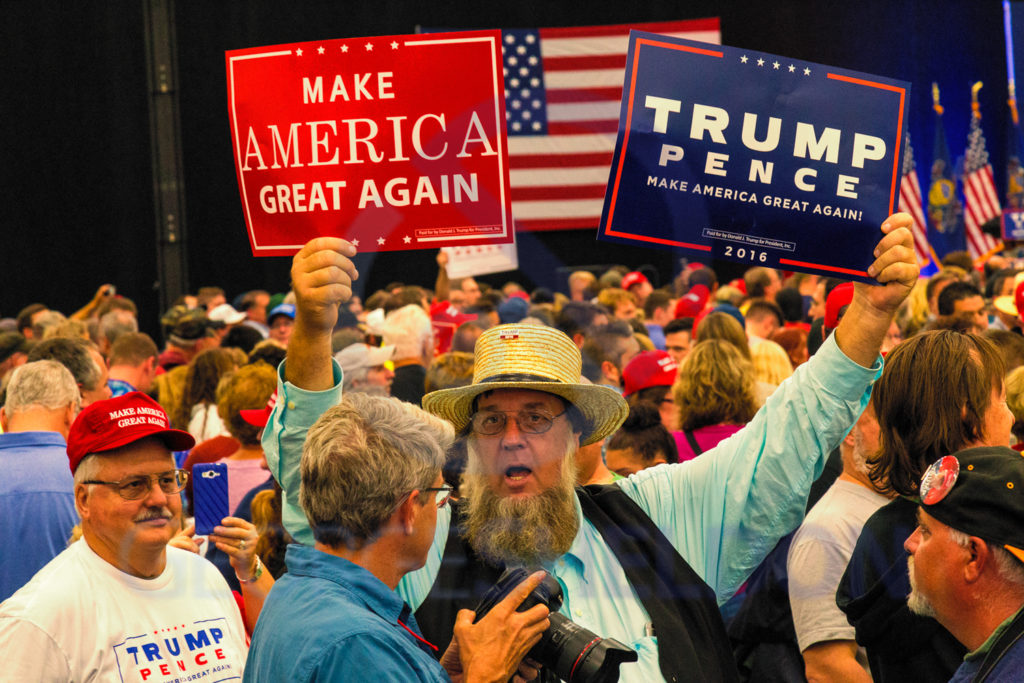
x,y
209,495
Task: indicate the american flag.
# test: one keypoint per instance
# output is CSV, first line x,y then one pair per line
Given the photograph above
x,y
910,202
563,88
981,203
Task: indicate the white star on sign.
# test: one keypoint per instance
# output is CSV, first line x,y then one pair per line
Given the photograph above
x,y
743,59
775,65
807,72
298,51
407,239
355,243
792,68
320,50
344,48
380,240
760,62
394,45
369,47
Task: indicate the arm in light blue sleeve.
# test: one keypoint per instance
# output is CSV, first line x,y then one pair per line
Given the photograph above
x,y
725,510
295,412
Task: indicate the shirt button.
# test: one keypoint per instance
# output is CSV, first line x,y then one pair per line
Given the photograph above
x,y
291,405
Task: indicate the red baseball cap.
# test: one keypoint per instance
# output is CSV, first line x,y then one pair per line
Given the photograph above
x,y
634,278
649,369
258,417
837,298
445,319
116,422
693,302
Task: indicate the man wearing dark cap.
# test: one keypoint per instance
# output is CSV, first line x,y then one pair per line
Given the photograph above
x,y
120,604
281,319
967,558
189,332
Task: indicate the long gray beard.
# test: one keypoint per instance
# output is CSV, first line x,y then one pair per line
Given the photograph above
x,y
519,532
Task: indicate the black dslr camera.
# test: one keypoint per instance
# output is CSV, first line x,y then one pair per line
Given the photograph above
x,y
570,651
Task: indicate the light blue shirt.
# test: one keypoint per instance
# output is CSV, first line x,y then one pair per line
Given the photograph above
x,y
723,511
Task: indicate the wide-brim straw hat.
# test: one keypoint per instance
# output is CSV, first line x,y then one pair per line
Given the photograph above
x,y
531,357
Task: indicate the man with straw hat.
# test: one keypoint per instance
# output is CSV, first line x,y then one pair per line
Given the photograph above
x,y
646,560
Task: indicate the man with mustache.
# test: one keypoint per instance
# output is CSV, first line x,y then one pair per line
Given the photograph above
x,y
645,561
967,558
120,604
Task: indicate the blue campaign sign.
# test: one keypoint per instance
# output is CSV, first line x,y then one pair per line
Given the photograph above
x,y
1013,224
753,157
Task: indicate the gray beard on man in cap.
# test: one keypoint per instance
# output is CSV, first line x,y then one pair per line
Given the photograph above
x,y
525,531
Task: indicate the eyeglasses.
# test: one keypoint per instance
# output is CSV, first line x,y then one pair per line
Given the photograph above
x,y
134,488
491,422
442,496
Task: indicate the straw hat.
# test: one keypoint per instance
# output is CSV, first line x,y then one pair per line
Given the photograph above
x,y
531,357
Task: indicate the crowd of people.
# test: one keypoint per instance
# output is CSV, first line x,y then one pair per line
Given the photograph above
x,y
725,480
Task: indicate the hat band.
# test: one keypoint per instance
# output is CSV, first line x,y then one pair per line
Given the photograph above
x,y
518,377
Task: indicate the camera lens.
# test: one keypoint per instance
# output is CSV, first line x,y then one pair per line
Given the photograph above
x,y
570,651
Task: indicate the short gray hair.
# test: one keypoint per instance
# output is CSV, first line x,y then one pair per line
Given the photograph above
x,y
1008,567
360,459
407,328
43,383
117,322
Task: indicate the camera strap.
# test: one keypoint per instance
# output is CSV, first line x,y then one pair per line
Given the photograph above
x,y
692,642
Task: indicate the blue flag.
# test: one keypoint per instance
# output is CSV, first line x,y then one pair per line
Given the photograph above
x,y
945,212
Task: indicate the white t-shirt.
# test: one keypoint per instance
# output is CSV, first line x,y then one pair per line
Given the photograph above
x,y
205,422
818,557
82,619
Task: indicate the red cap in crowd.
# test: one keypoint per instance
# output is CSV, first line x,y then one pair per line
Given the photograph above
x,y
1018,299
445,319
837,298
693,302
258,417
116,422
649,369
634,278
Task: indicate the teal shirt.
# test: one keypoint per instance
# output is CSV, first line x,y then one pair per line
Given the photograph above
x,y
723,511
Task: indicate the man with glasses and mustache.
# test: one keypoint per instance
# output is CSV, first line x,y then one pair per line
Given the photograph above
x,y
120,603
647,560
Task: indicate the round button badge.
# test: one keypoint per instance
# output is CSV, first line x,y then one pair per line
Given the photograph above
x,y
938,480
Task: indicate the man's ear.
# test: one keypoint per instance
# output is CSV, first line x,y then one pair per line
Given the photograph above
x,y
979,556
81,500
609,370
3,418
406,513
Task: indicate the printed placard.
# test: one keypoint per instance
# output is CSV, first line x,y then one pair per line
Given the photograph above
x,y
752,157
484,260
392,142
1013,224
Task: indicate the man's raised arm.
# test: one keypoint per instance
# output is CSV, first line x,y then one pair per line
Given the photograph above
x,y
322,276
725,510
863,327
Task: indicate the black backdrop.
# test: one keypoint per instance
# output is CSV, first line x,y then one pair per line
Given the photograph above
x,y
76,185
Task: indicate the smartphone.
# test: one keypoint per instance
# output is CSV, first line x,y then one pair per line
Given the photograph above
x,y
209,495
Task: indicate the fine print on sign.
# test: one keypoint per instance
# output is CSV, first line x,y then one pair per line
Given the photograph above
x,y
393,142
752,157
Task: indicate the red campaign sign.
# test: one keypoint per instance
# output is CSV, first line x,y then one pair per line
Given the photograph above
x,y
393,142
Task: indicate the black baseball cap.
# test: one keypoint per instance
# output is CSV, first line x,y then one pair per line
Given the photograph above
x,y
979,491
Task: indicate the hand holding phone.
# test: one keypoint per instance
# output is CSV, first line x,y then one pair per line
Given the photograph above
x,y
209,495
